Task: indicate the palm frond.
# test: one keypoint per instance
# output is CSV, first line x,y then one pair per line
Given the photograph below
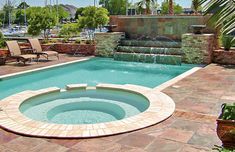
x,y
223,14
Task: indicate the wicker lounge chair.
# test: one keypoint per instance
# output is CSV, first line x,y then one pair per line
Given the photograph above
x,y
37,49
15,52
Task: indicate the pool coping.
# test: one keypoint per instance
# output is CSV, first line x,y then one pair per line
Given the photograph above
x,y
44,68
176,79
161,107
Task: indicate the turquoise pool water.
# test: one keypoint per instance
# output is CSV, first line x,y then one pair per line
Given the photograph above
x,y
84,106
92,72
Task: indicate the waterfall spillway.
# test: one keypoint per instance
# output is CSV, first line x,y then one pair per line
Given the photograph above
x,y
149,51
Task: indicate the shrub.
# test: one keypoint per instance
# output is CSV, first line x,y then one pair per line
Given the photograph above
x,y
227,42
90,42
78,41
45,41
69,30
53,40
65,40
2,40
228,112
221,149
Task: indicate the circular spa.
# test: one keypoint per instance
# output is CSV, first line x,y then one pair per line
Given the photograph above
x,y
81,111
84,106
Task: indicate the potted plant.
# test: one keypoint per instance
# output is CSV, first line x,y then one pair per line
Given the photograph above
x,y
226,125
227,42
222,149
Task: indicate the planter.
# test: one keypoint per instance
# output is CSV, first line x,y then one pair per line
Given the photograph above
x,y
226,132
71,48
46,46
224,57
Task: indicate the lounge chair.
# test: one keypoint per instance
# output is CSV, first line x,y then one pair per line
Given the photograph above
x,y
15,52
37,49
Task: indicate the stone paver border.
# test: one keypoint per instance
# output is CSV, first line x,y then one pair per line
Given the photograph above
x,y
161,107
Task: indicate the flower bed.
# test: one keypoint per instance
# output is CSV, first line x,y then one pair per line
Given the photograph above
x,y
224,57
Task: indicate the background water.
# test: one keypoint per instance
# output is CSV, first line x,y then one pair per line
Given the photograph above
x,y
92,72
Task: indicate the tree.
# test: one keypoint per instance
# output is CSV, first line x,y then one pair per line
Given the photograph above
x,y
2,40
146,5
8,13
79,12
62,14
23,5
165,8
171,7
101,16
196,6
69,30
223,14
20,19
42,20
115,7
1,18
32,10
93,17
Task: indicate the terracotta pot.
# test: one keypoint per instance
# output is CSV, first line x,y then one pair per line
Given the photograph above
x,y
226,132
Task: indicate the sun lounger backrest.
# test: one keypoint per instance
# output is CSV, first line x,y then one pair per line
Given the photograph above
x,y
35,44
14,48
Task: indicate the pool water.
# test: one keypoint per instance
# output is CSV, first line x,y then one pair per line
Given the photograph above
x,y
92,72
84,106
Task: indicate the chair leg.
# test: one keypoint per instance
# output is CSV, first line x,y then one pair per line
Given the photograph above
x,y
38,57
24,61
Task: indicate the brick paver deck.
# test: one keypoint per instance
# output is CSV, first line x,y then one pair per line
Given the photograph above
x,y
191,128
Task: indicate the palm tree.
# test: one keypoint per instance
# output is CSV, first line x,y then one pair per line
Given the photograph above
x,y
171,7
147,4
196,5
223,14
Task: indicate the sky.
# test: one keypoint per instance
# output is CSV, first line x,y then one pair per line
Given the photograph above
x,y
81,3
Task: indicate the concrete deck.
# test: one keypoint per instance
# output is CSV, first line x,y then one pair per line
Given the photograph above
x,y
191,128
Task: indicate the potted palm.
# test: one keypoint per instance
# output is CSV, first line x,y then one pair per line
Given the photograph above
x,y
226,125
227,42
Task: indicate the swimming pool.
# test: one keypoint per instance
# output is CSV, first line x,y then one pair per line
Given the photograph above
x,y
92,72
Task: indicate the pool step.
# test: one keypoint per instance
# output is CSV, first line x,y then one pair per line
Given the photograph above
x,y
148,58
149,50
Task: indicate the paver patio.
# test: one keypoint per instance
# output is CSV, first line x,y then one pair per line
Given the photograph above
x,y
191,128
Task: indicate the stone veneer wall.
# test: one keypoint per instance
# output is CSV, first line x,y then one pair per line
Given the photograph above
x,y
106,43
198,48
152,26
224,57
